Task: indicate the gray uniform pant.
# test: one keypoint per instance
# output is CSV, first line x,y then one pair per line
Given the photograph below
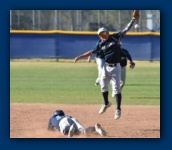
x,y
123,75
112,74
66,122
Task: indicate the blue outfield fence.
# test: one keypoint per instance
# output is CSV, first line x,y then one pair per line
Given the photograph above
x,y
68,44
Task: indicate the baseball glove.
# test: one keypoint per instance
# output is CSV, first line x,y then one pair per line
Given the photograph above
x,y
136,14
132,65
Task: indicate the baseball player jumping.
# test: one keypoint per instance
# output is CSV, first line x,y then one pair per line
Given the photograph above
x,y
110,46
124,56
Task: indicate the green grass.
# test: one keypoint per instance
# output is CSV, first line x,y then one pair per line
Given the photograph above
x,y
70,83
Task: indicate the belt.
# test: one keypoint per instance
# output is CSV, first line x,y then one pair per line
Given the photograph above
x,y
111,65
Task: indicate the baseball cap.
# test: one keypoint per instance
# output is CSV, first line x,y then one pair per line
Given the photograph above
x,y
102,30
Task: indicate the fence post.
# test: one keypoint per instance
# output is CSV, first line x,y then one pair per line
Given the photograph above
x,y
119,19
33,19
18,18
10,20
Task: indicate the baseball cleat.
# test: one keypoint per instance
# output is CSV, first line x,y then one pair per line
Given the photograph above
x,y
100,130
117,114
72,130
104,107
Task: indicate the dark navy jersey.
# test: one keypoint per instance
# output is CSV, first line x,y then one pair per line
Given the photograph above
x,y
124,56
54,122
100,55
111,47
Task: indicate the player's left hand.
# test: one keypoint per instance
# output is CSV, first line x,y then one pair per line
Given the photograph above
x,y
132,65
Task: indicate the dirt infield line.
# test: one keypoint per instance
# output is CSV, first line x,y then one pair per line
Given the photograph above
x,y
31,120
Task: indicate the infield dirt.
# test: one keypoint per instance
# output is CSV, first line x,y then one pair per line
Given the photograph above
x,y
31,120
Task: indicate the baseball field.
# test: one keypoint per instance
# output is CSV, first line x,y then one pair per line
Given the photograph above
x,y
39,87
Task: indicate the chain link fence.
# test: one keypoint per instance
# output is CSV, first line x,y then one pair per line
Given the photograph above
x,y
82,20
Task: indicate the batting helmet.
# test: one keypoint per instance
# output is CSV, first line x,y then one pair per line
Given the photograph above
x,y
59,113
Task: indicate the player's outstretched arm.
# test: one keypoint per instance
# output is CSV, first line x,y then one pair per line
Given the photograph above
x,y
89,53
135,16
